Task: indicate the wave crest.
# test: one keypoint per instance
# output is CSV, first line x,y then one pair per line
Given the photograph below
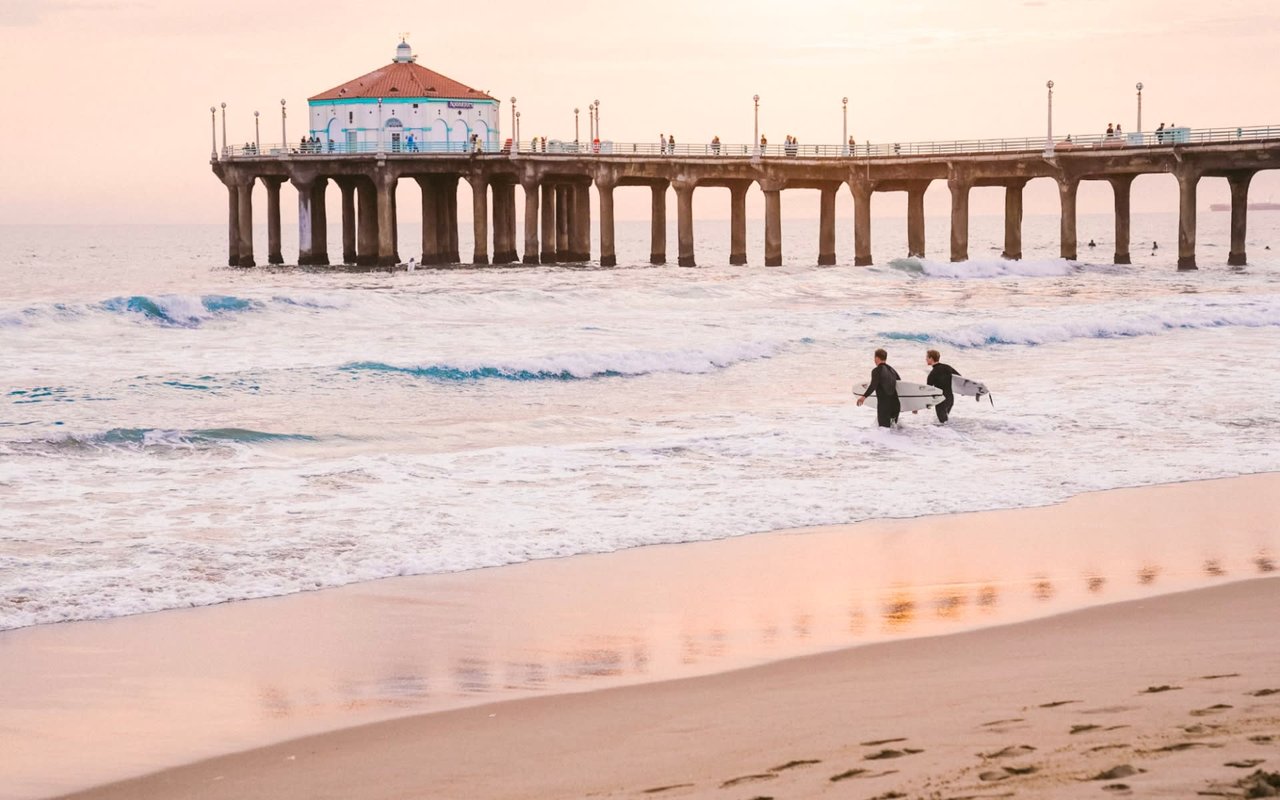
x,y
580,366
984,268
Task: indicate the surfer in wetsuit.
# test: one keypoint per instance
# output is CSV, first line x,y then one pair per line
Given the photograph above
x,y
940,377
884,385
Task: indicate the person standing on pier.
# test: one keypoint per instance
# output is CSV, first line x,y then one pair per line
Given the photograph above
x,y
671,144
884,385
940,376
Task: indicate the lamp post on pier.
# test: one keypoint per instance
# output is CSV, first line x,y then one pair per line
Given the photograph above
x,y
380,153
515,133
575,126
597,136
755,136
284,134
224,129
517,144
1048,142
257,135
844,135
213,133
1139,106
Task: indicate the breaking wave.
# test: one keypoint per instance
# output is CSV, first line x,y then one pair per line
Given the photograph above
x,y
159,439
169,310
580,366
1255,313
990,268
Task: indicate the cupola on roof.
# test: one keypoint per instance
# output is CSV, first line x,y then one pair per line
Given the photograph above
x,y
403,78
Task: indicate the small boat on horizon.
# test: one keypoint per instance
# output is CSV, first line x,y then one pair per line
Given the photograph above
x,y
1251,206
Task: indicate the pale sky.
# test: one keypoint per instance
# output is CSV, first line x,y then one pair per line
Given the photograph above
x,y
107,100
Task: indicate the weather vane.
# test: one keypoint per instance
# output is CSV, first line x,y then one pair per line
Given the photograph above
x,y
404,35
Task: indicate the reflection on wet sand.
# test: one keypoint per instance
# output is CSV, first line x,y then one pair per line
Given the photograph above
x,y
248,673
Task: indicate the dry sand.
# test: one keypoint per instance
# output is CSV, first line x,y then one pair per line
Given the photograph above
x,y
1164,695
1157,698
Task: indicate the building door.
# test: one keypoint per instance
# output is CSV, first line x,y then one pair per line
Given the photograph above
x,y
352,147
395,143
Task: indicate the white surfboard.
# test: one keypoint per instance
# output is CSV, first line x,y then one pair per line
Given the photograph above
x,y
970,388
913,396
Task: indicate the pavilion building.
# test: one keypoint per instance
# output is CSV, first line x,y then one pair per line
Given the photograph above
x,y
404,107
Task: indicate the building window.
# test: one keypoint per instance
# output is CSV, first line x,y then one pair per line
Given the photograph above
x,y
351,117
415,106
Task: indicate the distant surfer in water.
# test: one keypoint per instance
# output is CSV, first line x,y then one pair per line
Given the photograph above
x,y
884,385
940,376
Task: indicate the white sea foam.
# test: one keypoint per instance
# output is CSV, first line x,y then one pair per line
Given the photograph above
x,y
985,268
172,436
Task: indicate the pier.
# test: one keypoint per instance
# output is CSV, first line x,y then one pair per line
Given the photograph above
x,y
556,182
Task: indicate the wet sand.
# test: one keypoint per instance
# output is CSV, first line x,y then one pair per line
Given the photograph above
x,y
1156,698
86,703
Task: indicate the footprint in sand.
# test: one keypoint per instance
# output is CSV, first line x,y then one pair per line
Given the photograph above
x,y
1057,703
1115,773
1219,677
1198,728
883,754
805,762
1181,746
1159,689
1246,764
659,789
1117,788
1213,709
1102,747
1262,739
729,784
860,773
1004,773
1083,728
1013,751
1263,692
878,742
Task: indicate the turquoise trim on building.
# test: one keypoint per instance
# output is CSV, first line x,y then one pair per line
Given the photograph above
x,y
346,101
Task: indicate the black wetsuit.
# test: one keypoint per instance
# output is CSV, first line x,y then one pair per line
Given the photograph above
x,y
884,385
940,377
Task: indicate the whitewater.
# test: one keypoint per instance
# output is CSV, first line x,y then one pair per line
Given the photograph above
x,y
174,433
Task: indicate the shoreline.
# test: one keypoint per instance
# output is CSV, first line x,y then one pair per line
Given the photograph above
x,y
1154,740
224,678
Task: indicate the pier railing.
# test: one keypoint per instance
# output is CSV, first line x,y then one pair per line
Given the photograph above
x,y
552,147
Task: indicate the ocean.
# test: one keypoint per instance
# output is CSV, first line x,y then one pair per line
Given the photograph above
x,y
175,433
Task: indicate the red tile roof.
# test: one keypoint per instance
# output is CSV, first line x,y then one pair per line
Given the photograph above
x,y
402,79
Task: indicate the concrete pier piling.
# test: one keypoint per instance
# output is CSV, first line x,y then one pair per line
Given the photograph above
x,y
233,225
1188,180
550,225
1068,188
1239,183
480,218
738,223
608,255
684,222
827,226
861,222
557,186
658,225
1013,220
959,218
274,255
772,225
915,219
1121,187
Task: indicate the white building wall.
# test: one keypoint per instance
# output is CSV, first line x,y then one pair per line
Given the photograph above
x,y
435,124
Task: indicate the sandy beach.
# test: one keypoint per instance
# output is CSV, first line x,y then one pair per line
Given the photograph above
x,y
693,666
1160,698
